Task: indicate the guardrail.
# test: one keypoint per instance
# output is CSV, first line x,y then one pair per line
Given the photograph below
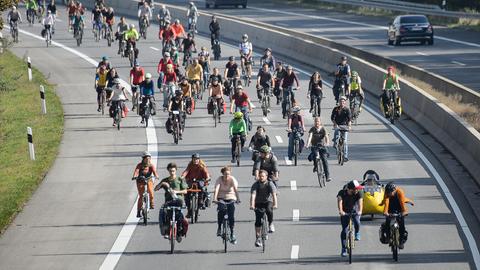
x,y
461,139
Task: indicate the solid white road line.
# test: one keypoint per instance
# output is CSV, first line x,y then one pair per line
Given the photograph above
x,y
155,49
293,185
421,53
378,27
279,139
130,224
265,119
294,252
296,215
458,63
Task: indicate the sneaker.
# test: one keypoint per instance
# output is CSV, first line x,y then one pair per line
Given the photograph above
x,y
329,179
258,242
284,116
278,102
99,109
181,138
314,168
311,109
269,111
233,239
357,236
271,228
233,160
166,236
401,245
179,238
219,231
152,207
139,214
344,252
345,159
141,122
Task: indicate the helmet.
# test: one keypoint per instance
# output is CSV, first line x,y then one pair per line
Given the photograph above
x,y
167,21
265,149
239,87
354,74
343,98
178,93
137,64
148,76
116,81
192,4
203,48
391,68
132,26
296,109
14,7
146,154
231,58
238,115
354,185
190,35
177,21
244,36
268,49
196,155
104,58
164,7
49,11
390,187
166,54
343,58
110,9
371,175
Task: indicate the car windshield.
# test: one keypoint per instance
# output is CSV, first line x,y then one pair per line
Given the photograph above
x,y
413,19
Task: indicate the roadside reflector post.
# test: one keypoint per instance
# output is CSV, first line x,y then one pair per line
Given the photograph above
x,y
31,149
42,97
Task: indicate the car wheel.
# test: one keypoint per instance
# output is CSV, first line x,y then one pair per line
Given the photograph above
x,y
423,42
430,41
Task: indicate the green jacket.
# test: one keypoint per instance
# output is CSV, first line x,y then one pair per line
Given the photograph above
x,y
237,127
32,5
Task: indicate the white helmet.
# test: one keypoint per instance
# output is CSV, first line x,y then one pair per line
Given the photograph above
x,y
132,26
148,76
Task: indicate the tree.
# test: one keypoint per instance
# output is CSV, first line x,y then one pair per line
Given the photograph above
x,y
5,5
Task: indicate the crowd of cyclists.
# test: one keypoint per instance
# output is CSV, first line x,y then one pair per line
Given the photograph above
x,y
183,83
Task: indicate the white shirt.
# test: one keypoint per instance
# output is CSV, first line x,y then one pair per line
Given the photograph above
x,y
246,47
192,12
118,93
48,20
145,11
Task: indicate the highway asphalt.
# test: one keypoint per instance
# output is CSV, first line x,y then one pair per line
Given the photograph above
x,y
455,54
74,218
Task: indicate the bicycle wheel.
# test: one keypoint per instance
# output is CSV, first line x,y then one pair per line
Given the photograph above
x,y
296,147
350,246
237,152
145,209
395,243
102,101
109,39
173,235
193,207
319,172
225,235
118,117
215,112
264,232
264,106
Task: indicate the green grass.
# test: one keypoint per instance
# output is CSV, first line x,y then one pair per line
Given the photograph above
x,y
19,108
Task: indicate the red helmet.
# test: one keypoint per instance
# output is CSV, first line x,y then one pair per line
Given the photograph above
x,y
391,68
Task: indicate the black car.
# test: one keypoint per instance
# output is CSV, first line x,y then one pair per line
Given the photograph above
x,y
217,3
410,28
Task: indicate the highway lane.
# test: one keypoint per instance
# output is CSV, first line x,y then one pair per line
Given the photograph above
x,y
316,232
455,55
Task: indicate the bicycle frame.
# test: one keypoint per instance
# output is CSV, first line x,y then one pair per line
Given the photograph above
x,y
394,240
226,237
193,193
173,230
350,237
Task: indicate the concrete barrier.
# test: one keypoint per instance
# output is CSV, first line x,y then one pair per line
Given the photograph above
x,y
461,139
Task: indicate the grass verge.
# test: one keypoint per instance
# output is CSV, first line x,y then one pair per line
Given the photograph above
x,y
19,108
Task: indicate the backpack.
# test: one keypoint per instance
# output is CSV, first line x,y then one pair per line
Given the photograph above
x,y
169,126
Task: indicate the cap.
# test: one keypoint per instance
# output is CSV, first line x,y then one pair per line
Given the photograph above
x,y
146,154
196,155
343,98
231,58
296,109
166,54
390,187
354,185
343,58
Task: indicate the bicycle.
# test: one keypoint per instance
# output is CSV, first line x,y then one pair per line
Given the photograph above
x,y
216,49
147,110
131,54
109,35
79,34
355,107
173,230
193,193
264,228
392,111
215,108
350,241
316,109
31,13
48,36
14,31
296,133
238,149
145,197
143,27
226,233
318,165
103,100
339,87
341,145
117,113
247,78
288,100
265,101
394,241
136,97
97,31
176,126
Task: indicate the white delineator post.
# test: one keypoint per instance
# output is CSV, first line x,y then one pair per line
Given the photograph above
x,y
42,97
29,68
31,149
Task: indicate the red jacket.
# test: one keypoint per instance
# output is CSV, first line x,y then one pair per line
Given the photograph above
x,y
162,66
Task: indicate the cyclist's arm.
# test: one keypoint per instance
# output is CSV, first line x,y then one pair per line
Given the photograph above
x,y
249,104
253,195
326,139
289,124
231,106
136,172
215,193
235,189
275,201
225,73
296,80
139,13
340,206
230,128
360,207
397,83
384,83
273,82
244,127
309,140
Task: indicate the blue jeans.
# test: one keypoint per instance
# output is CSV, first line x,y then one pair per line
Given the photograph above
x,y
230,210
344,220
335,140
291,139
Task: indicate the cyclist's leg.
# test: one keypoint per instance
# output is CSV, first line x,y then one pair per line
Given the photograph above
x,y
385,100
356,223
140,189
233,141
284,102
323,157
344,220
335,137
269,211
346,144
231,216
402,230
220,214
291,138
150,193
258,219
387,227
99,93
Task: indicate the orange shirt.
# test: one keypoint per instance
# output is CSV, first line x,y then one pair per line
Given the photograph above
x,y
178,29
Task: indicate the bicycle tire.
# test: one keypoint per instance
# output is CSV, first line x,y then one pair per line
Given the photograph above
x,y
118,116
295,151
319,172
395,243
145,209
193,207
102,101
350,247
225,235
173,235
237,152
264,232
215,112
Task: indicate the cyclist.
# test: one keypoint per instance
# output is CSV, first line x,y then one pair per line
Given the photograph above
x,y
48,22
167,35
179,32
53,9
318,140
263,198
295,125
162,69
147,88
176,60
226,189
341,116
109,17
278,76
118,95
264,81
163,16
341,77
349,200
267,161
205,54
194,74
204,61
175,189
188,47
215,74
259,139
315,91
355,89
246,53
216,94
144,12
97,19
192,15
390,87
268,59
111,76
232,73
186,90
287,86
170,77
100,84
237,128
137,76
131,36
214,28
241,102
122,28
176,104
14,16
31,7
146,169
71,10
104,62
394,201
78,21
197,169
